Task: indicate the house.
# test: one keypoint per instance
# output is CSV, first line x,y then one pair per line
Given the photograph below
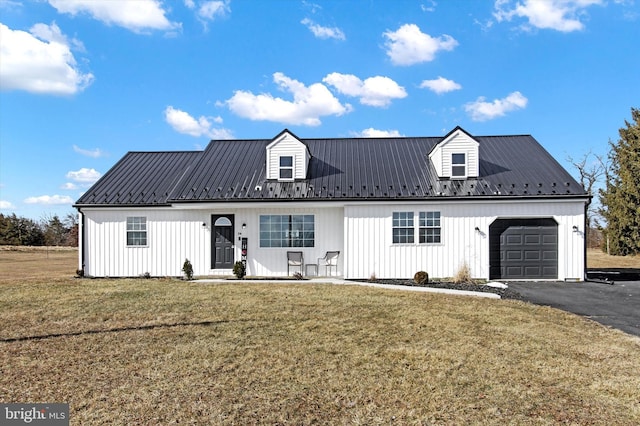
x,y
391,206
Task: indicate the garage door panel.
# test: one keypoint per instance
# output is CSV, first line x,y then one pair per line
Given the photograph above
x,y
523,249
530,239
532,255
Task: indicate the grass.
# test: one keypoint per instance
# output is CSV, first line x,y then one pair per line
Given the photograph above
x,y
162,351
596,258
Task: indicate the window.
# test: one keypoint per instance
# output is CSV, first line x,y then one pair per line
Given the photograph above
x,y
287,231
286,167
429,227
458,165
403,231
137,231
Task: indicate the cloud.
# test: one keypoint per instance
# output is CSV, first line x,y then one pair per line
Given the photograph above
x,y
210,10
49,200
6,205
559,15
183,122
376,133
69,186
40,62
374,91
93,153
408,45
323,32
483,111
440,85
136,16
308,105
84,176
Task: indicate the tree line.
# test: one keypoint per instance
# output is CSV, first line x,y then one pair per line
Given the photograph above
x,y
50,231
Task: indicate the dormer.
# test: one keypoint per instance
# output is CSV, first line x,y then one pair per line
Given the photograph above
x,y
456,156
287,158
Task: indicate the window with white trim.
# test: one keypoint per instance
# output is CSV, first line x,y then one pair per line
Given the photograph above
x,y
402,228
287,230
458,165
286,167
429,231
136,231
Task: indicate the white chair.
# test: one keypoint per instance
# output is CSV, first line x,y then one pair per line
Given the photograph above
x,y
295,259
330,260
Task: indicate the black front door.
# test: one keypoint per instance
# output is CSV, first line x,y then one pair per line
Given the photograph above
x,y
222,236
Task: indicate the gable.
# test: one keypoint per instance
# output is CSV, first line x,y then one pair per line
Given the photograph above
x,y
456,156
287,158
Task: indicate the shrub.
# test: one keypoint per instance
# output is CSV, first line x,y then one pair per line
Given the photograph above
x,y
421,277
187,268
373,277
80,273
463,275
298,276
239,270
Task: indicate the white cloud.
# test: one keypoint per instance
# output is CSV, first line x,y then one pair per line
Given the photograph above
x,y
559,15
308,105
374,91
323,32
190,4
376,133
69,186
93,153
136,16
183,122
49,200
429,7
40,62
440,85
84,176
480,110
6,205
210,10
408,45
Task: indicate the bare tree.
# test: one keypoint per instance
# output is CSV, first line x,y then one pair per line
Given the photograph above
x,y
592,168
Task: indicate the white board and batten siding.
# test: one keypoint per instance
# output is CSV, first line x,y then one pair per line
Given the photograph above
x,y
174,235
370,250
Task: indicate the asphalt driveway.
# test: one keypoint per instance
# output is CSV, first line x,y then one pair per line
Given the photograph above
x,y
616,305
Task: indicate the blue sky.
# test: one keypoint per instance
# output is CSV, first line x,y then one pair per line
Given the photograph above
x,y
84,81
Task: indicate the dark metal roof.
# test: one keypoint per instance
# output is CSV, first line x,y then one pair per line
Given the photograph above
x,y
141,178
339,169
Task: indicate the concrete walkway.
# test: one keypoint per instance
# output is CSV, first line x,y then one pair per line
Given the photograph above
x,y
340,281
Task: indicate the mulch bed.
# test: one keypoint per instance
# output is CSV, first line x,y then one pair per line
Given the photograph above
x,y
503,293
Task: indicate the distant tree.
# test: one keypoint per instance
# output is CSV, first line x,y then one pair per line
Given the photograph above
x,y
71,223
591,168
55,232
19,231
620,198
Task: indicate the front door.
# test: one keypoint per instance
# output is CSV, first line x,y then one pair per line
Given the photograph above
x,y
222,236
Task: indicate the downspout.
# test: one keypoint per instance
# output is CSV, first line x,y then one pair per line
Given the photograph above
x,y
586,236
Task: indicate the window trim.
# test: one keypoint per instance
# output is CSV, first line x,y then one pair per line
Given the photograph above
x,y
141,240
397,224
462,165
423,224
286,168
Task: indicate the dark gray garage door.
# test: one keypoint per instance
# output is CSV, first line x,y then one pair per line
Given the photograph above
x,y
522,249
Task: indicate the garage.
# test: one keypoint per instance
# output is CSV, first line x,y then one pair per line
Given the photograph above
x,y
523,249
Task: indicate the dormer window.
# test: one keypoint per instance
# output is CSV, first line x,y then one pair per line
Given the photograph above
x,y
286,167
458,165
287,158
